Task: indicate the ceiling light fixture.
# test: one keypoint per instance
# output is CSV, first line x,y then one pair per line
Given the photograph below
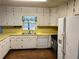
x,y
31,0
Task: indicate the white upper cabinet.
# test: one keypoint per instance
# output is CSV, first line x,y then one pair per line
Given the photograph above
x,y
12,16
43,16
4,16
62,11
17,14
46,17
70,8
28,11
58,12
0,16
0,21
53,17
76,7
40,16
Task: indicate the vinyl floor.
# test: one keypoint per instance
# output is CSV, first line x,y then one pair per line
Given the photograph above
x,y
31,54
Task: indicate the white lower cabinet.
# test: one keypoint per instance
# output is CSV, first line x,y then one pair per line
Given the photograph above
x,y
4,47
43,42
29,42
16,42
0,50
23,42
7,45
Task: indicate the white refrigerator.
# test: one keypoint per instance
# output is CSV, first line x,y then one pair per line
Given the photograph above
x,y
68,36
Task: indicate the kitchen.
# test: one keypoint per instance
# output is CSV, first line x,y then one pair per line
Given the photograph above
x,y
36,29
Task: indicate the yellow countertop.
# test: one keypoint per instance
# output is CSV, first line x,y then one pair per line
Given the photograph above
x,y
15,31
38,34
5,35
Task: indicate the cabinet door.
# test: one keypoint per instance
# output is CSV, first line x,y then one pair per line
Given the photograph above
x,y
10,16
3,48
70,8
0,16
28,11
43,16
42,41
1,51
12,42
0,21
4,16
29,42
17,16
13,16
40,16
53,20
16,42
46,17
76,7
62,10
7,44
53,17
19,42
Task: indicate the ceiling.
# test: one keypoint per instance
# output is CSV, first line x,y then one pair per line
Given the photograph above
x,y
49,3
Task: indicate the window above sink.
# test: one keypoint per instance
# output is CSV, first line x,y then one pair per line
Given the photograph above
x,y
29,23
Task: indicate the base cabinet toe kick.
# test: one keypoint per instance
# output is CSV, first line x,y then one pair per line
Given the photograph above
x,y
23,42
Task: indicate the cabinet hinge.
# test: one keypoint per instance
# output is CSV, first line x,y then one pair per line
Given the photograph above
x,y
74,10
10,40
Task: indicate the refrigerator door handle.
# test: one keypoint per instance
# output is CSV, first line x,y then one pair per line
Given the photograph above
x,y
63,52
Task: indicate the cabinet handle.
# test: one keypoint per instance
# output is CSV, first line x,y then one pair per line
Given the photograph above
x,y
21,46
21,40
